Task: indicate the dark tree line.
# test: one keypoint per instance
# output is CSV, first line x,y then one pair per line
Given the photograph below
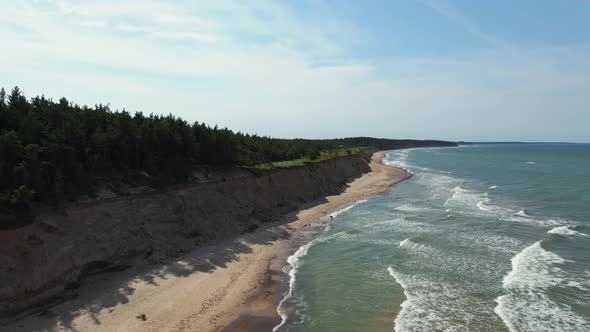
x,y
55,151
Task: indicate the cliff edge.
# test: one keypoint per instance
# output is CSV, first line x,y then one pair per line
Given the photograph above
x,y
41,262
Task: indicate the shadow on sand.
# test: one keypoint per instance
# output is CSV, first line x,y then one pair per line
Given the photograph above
x,y
102,292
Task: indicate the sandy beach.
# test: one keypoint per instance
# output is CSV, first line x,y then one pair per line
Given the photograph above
x,y
236,295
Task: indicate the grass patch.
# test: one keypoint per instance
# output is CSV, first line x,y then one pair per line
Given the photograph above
x,y
324,155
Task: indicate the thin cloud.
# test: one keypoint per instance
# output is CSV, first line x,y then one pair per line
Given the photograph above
x,y
455,16
291,83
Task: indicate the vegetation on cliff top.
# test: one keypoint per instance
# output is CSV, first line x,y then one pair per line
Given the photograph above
x,y
56,151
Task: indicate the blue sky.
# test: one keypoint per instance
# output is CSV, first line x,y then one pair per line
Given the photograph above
x,y
446,69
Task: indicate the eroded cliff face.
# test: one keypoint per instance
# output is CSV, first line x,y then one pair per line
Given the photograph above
x,y
39,262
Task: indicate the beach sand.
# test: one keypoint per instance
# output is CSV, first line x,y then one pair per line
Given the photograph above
x,y
239,294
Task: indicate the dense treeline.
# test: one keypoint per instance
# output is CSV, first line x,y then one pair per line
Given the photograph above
x,y
55,151
388,144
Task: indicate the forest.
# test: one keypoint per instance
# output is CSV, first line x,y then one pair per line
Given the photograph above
x,y
53,152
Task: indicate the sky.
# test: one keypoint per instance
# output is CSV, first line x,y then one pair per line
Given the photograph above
x,y
427,69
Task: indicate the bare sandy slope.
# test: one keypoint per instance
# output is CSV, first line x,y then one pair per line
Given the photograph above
x,y
201,300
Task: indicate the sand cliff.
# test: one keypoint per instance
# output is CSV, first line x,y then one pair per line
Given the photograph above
x,y
43,261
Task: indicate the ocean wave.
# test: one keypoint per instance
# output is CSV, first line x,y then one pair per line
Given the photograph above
x,y
532,268
357,237
522,216
412,208
399,322
462,196
493,187
400,160
342,210
490,241
532,221
472,202
566,231
295,262
538,313
400,225
426,308
465,201
531,163
482,205
404,242
527,307
439,185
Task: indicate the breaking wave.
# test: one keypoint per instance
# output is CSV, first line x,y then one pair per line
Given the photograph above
x,y
527,306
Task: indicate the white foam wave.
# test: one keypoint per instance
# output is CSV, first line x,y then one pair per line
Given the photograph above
x,y
483,205
433,180
399,324
566,231
400,160
357,238
533,221
405,242
401,225
472,202
438,185
527,307
531,163
411,208
491,242
295,262
532,268
344,209
522,213
493,187
425,306
462,197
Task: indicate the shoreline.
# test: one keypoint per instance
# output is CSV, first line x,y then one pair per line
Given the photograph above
x,y
237,296
262,312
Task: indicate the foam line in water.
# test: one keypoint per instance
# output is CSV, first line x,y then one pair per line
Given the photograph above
x,y
295,262
400,161
469,201
566,231
533,221
404,306
482,205
411,208
344,209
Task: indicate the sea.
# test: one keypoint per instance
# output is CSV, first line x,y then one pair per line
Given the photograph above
x,y
490,237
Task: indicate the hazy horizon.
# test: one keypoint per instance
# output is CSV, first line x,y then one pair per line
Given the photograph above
x,y
421,69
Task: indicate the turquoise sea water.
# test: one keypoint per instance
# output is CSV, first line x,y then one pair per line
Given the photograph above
x,y
482,238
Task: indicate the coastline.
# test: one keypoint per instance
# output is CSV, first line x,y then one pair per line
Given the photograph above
x,y
261,312
240,295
